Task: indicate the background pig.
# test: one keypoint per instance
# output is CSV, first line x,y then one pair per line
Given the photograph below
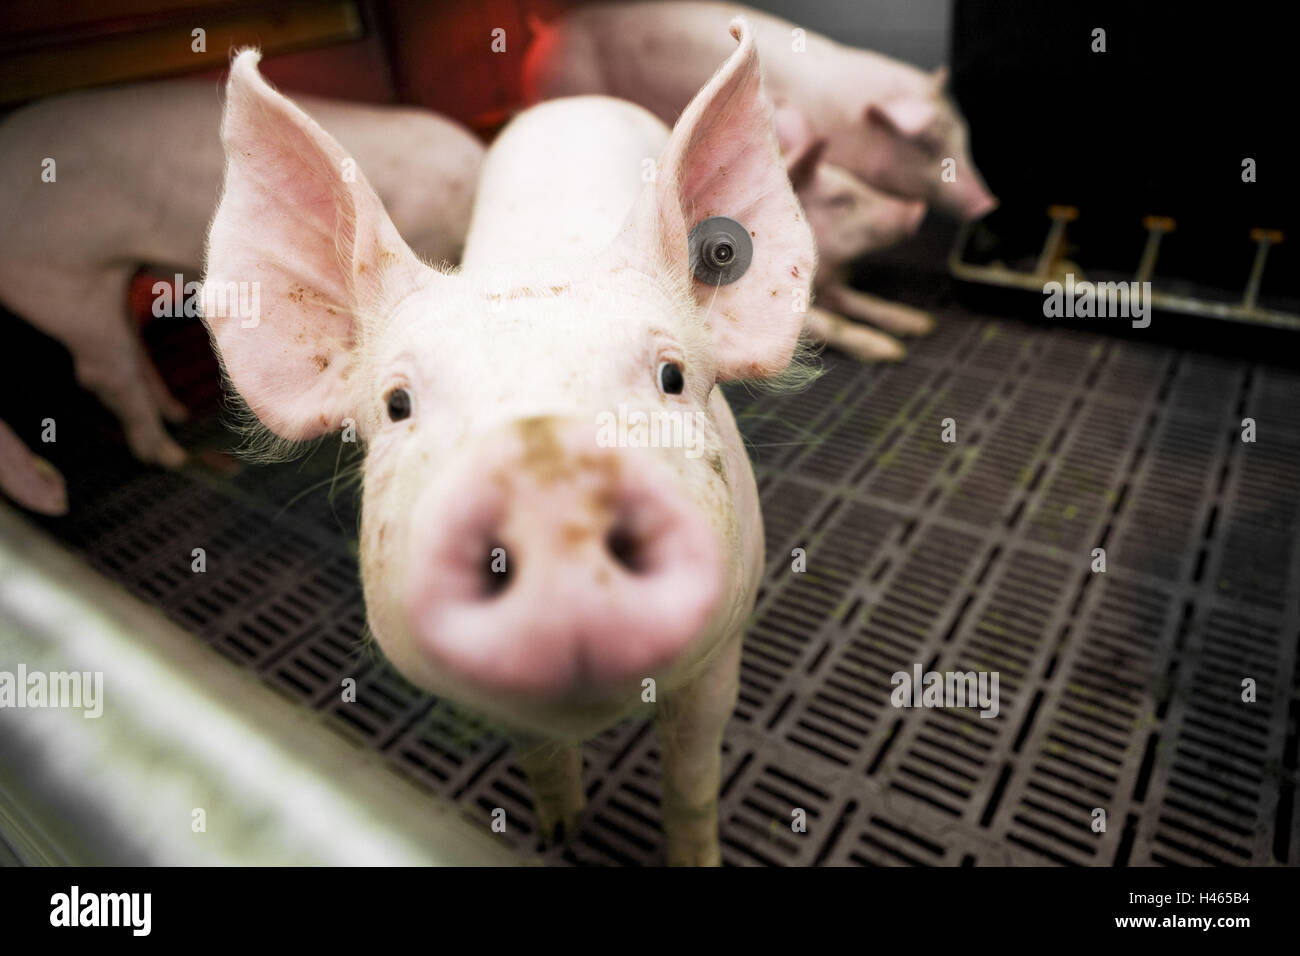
x,y
137,175
885,121
849,219
478,394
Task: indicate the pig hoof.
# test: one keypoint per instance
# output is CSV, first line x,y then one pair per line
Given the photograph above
x,y
873,347
562,831
38,488
169,455
175,412
709,854
924,324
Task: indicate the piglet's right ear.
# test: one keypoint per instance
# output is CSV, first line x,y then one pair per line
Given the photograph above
x,y
302,261
722,162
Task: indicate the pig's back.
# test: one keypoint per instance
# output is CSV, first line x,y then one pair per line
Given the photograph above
x,y
424,168
137,171
560,180
660,53
139,168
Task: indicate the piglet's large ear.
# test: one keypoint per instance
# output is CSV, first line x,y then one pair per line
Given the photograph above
x,y
301,261
909,116
722,160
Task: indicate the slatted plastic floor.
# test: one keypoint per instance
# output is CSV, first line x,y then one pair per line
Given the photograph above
x,y
1119,691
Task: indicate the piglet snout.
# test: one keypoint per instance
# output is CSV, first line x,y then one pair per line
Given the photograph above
x,y
554,566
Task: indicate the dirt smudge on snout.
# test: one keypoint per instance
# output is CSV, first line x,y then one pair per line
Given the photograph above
x,y
574,534
594,476
543,456
603,499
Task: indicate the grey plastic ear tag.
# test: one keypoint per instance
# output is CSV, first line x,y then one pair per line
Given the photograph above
x,y
721,250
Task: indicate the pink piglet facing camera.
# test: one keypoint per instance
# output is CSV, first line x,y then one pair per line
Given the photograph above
x,y
560,523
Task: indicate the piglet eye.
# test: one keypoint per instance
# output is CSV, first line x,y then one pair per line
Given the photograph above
x,y
671,379
399,404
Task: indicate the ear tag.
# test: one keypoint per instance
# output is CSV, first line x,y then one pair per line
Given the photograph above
x,y
720,250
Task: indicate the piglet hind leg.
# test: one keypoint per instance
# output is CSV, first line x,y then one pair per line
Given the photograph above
x,y
554,771
691,722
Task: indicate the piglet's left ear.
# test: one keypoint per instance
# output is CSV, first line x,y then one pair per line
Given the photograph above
x,y
909,116
722,160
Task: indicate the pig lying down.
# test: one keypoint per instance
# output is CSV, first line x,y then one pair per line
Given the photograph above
x,y
849,219
880,125
885,121
630,572
136,176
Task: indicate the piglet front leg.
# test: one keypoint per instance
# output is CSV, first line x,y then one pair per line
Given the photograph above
x,y
690,722
554,771
861,307
864,344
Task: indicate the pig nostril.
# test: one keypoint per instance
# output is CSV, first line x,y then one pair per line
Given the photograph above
x,y
496,570
626,549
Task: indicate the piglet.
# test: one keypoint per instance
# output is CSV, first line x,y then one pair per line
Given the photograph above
x,y
887,122
560,523
98,183
849,219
